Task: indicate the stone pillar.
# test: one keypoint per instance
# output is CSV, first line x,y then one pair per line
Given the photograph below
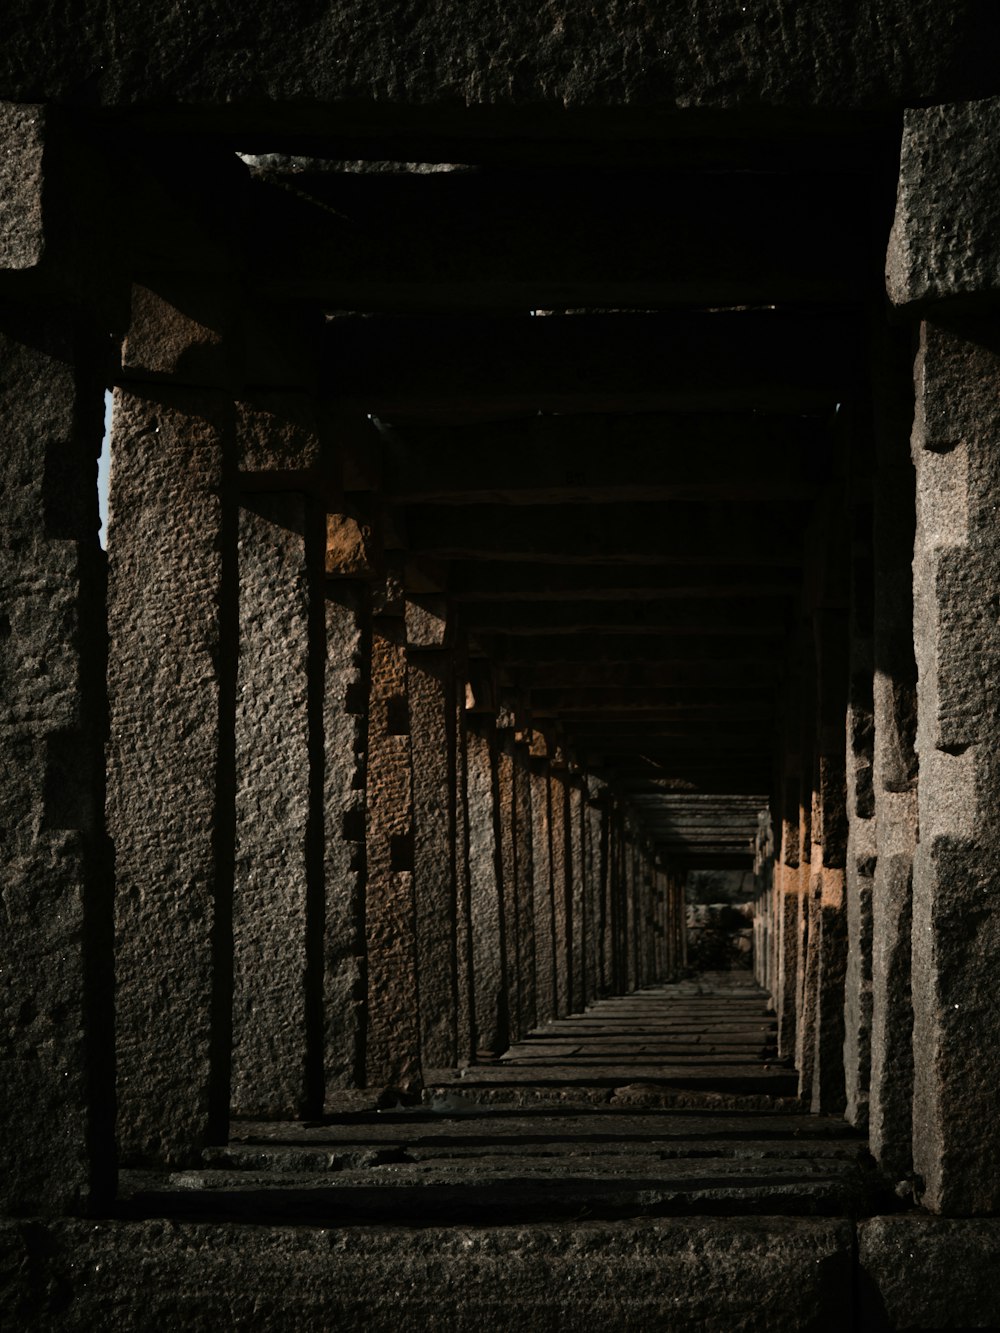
x,y
430,681
632,908
525,895
345,737
392,1056
787,907
861,840
171,680
464,953
541,874
558,809
57,1104
828,941
944,251
956,919
492,1022
895,767
278,886
507,832
576,892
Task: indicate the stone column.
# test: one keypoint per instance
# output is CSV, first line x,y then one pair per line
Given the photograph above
x,y
507,831
57,1104
944,252
541,878
392,1057
861,842
172,611
278,886
345,737
492,1022
828,939
430,680
525,871
558,807
576,892
895,766
956,920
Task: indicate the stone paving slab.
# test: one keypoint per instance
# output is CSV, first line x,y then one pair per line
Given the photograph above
x,y
755,1274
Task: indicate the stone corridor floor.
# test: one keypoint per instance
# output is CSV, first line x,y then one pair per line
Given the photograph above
x,y
665,1102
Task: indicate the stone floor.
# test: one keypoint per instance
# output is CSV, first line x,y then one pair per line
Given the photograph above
x,y
666,1102
644,1165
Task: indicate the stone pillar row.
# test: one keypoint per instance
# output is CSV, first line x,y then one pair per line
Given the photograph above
x,y
340,864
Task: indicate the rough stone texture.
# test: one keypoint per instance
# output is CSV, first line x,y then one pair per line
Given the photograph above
x,y
506,819
392,1053
525,894
278,432
275,855
56,1120
956,922
895,770
431,709
944,244
465,1011
592,872
860,797
716,56
486,905
171,606
180,335
22,231
541,873
828,939
919,1272
674,1274
559,822
426,622
345,736
576,895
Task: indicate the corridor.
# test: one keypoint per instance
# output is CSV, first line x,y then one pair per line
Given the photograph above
x,y
669,1101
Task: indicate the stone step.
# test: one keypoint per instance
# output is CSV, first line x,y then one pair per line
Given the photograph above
x,y
714,1274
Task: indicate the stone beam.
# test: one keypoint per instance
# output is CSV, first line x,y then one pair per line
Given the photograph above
x,y
944,248
680,676
464,368
564,459
735,705
512,67
674,534
711,615
715,652
475,239
495,581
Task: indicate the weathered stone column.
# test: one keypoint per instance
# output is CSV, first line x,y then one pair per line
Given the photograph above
x,y
431,686
895,768
492,1021
541,873
524,867
787,905
57,1104
507,832
561,869
944,249
861,842
828,939
345,738
277,894
392,1056
277,1055
576,892
956,922
171,679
